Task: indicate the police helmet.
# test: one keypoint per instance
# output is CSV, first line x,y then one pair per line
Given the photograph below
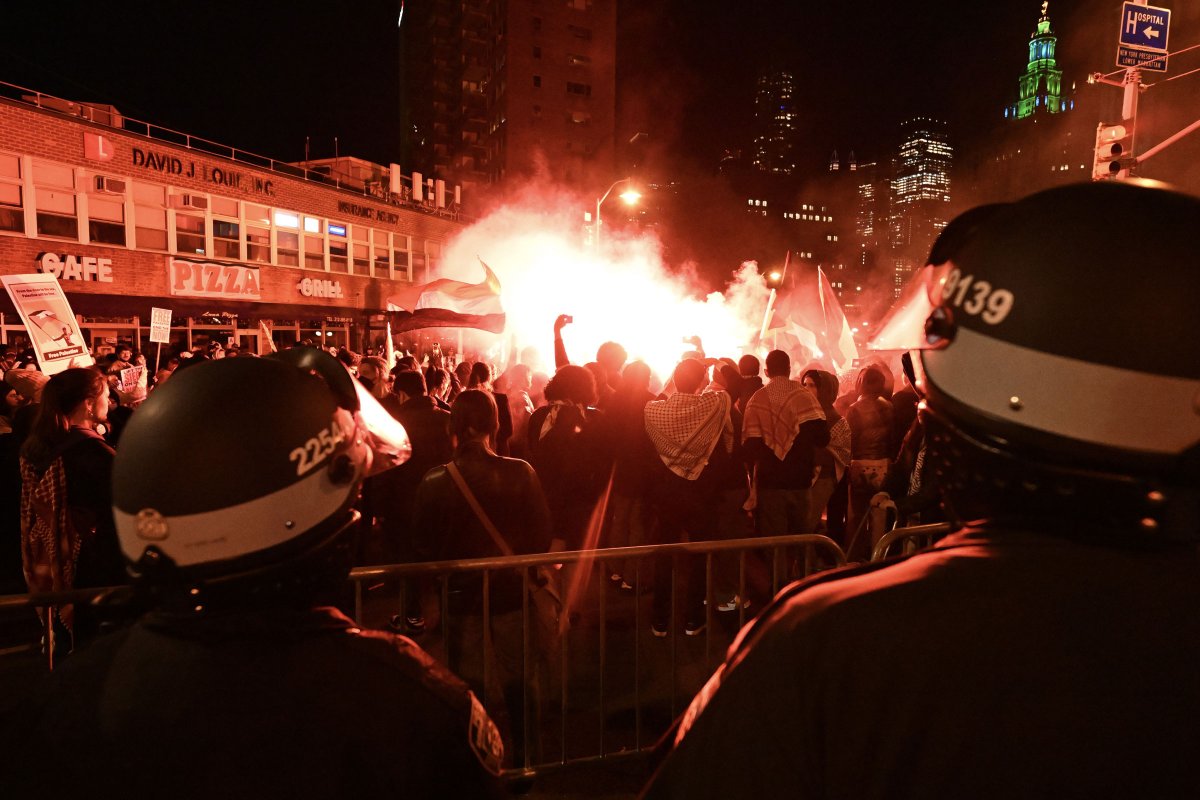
x,y
1056,358
239,464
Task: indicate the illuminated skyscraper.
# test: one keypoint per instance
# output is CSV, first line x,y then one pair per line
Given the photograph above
x,y
920,199
775,123
1041,89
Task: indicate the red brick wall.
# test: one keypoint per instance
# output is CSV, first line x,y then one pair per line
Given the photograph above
x,y
46,135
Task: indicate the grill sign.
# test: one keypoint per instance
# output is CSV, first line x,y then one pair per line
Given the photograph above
x,y
199,279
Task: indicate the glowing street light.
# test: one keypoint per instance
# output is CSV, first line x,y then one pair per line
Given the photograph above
x,y
630,196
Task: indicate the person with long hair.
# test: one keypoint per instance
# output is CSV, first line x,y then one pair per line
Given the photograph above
x,y
68,538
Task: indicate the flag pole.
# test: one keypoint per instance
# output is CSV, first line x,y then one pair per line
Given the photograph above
x,y
762,335
389,349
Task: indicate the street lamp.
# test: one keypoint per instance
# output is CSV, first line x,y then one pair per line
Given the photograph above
x,y
630,196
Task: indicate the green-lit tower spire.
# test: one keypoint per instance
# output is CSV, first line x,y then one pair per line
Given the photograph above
x,y
1041,85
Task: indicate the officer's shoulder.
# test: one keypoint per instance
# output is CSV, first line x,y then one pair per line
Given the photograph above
x,y
409,661
823,596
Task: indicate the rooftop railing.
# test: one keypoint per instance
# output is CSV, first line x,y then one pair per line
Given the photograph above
x,y
376,188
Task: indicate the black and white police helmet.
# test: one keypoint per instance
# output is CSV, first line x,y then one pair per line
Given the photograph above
x,y
1058,329
244,462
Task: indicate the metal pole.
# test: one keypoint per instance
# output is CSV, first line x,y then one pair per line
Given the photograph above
x,y
1129,103
596,223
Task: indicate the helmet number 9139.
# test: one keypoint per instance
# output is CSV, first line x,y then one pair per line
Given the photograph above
x,y
317,449
977,298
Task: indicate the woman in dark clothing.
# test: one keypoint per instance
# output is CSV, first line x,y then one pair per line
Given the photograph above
x,y
566,451
624,430
68,539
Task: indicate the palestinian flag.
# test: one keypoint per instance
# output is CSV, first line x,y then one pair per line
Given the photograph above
x,y
808,310
446,303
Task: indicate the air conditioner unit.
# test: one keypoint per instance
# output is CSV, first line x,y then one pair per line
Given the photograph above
x,y
106,185
193,201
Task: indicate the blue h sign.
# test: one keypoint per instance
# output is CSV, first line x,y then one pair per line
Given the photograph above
x,y
1145,27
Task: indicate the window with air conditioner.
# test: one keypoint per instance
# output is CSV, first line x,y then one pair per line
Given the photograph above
x,y
102,184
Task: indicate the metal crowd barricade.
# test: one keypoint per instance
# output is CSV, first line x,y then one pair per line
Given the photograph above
x,y
789,557
909,539
812,553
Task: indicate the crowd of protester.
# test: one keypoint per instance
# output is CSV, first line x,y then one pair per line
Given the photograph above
x,y
508,459
708,451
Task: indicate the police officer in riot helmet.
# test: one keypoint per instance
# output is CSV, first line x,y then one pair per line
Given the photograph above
x,y
233,497
1050,646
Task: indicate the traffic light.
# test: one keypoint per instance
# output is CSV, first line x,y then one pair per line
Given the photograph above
x,y
1114,152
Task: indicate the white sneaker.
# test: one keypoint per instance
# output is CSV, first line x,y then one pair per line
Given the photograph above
x,y
733,604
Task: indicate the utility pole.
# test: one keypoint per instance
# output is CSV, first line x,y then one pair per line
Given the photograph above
x,y
1129,104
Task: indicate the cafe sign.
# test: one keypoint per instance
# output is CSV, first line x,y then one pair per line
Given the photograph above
x,y
203,279
70,267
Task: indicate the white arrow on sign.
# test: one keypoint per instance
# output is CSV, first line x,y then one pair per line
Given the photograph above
x,y
1150,33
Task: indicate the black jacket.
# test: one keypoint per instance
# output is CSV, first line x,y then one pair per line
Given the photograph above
x,y
447,528
286,704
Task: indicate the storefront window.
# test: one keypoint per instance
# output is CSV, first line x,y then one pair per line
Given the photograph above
x,y
12,215
56,213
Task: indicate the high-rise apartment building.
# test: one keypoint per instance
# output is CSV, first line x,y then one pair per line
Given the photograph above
x,y
776,123
920,199
503,89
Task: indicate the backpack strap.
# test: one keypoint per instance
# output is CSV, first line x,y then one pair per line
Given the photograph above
x,y
461,482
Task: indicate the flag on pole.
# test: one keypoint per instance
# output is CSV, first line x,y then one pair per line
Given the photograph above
x,y
838,338
809,311
446,303
268,341
389,349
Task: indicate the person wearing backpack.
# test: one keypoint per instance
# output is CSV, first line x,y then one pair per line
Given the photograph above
x,y
68,539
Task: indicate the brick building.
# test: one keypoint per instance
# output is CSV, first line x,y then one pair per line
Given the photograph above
x,y
131,216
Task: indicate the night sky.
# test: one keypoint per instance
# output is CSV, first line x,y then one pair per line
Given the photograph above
x,y
264,76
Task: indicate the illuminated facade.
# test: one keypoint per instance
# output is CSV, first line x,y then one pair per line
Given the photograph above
x,y
507,88
776,124
920,198
1040,88
239,247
